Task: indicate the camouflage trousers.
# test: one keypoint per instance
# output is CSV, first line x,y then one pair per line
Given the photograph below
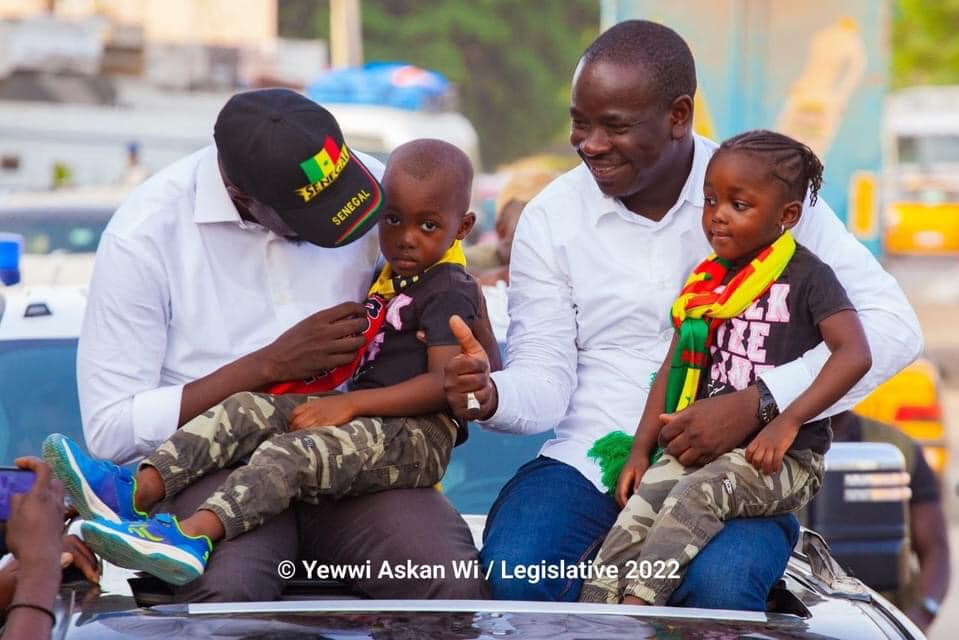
x,y
677,510
360,457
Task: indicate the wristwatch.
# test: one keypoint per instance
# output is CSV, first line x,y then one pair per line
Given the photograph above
x,y
768,409
930,606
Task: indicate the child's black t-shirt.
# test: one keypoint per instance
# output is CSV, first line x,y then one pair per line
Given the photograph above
x,y
776,329
395,354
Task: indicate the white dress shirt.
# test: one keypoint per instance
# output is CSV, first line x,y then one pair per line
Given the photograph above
x,y
591,285
183,286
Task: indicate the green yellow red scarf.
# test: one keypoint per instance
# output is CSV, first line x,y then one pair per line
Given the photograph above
x,y
702,305
381,291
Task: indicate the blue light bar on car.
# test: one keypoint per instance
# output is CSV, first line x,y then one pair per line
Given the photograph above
x,y
11,246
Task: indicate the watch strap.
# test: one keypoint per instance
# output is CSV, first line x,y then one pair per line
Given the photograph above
x,y
767,409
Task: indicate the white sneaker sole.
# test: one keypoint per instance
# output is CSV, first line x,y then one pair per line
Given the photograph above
x,y
165,561
58,455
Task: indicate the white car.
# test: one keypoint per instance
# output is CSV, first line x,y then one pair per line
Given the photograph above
x,y
38,346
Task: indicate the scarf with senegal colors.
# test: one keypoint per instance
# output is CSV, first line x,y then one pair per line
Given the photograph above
x,y
702,305
381,291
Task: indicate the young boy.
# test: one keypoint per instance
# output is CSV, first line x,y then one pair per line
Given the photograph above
x,y
305,446
758,301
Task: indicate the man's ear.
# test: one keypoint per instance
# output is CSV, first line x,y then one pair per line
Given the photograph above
x,y
469,219
681,116
791,213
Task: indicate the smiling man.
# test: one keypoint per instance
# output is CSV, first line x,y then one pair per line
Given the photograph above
x,y
598,258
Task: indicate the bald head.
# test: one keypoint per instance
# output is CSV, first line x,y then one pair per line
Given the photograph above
x,y
428,158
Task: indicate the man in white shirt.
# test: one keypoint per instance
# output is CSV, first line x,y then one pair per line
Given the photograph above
x,y
597,260
207,282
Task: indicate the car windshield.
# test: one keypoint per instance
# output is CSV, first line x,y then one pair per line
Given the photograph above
x,y
44,234
38,395
481,466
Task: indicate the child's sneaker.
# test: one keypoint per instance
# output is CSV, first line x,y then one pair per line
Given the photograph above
x,y
155,545
97,488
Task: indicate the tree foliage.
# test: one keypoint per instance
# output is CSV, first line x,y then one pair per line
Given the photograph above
x,y
511,60
925,48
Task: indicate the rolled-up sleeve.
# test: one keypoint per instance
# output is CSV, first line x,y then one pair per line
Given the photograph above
x,y
890,323
126,412
539,377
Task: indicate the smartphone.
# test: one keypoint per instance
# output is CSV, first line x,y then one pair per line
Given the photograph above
x,y
12,481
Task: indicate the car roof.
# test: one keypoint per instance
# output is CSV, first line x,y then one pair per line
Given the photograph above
x,y
41,312
836,609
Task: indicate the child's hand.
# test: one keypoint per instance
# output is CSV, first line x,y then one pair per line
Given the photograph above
x,y
630,477
767,449
329,411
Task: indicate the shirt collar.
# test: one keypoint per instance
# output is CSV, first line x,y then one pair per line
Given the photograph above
x,y
692,191
213,203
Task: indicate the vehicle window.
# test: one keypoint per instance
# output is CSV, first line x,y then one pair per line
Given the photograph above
x,y
928,150
38,395
480,467
46,235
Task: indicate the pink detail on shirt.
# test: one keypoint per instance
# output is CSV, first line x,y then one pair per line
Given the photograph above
x,y
396,305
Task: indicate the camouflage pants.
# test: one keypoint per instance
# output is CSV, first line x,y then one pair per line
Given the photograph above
x,y
678,509
363,456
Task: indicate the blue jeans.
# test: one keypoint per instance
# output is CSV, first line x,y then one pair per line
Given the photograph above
x,y
549,512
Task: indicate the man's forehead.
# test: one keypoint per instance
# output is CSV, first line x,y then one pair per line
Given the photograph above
x,y
629,83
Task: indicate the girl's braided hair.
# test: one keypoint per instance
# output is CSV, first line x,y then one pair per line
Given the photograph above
x,y
790,161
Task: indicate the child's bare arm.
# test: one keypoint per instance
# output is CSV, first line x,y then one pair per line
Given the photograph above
x,y
416,396
849,361
647,432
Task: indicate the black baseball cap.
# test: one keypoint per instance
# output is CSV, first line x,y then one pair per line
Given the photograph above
x,y
286,151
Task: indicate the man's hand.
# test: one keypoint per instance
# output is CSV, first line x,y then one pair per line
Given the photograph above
x,y
328,411
636,466
767,449
35,524
468,372
77,554
322,341
710,427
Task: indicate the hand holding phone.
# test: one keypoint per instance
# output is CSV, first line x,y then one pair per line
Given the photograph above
x,y
13,481
35,521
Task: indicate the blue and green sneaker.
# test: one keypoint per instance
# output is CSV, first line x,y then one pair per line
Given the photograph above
x,y
97,488
156,545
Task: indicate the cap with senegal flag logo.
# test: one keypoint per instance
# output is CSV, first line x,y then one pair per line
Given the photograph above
x,y
287,152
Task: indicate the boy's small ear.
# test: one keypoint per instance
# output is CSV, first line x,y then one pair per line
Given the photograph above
x,y
469,219
791,214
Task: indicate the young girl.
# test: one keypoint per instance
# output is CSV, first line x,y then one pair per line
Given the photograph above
x,y
758,301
